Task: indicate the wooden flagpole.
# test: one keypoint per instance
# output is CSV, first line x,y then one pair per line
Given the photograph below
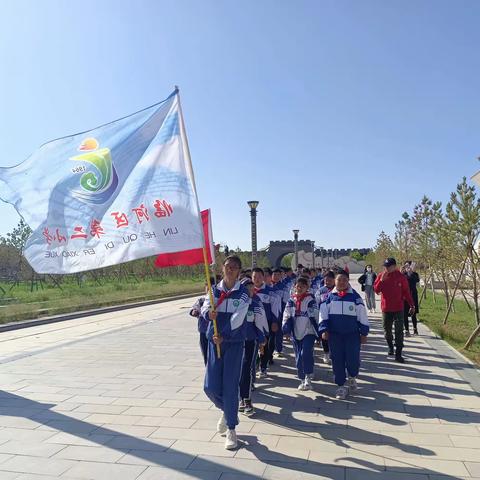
x,y
204,248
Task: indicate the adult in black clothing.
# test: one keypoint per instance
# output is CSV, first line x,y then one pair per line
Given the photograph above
x,y
413,279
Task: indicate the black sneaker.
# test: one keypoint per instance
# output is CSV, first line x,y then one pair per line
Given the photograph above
x,y
415,331
241,406
399,359
407,333
271,362
249,410
391,352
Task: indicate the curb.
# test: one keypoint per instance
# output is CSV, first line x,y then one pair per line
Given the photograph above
x,y
6,327
469,372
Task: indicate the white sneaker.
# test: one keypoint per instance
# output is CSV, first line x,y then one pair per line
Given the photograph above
x,y
302,385
341,393
352,384
222,425
326,358
231,440
308,383
262,374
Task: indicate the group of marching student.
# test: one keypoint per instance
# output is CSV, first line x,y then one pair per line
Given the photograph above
x,y
255,310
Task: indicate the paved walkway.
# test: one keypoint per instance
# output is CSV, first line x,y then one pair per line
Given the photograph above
x,y
119,396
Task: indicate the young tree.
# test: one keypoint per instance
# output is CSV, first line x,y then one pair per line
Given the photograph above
x,y
17,237
463,214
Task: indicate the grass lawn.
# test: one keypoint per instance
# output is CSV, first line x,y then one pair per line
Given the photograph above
x,y
459,325
22,304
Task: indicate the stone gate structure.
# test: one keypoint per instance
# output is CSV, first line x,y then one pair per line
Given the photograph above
x,y
278,249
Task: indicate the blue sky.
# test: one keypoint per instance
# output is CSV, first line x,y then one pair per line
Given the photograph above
x,y
336,115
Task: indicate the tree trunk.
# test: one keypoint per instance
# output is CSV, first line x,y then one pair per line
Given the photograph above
x,y
433,289
466,300
445,289
424,291
475,289
472,338
457,283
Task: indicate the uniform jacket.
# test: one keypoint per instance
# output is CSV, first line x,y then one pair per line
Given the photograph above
x,y
344,314
302,321
231,313
257,324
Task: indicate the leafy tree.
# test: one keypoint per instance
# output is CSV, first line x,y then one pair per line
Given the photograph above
x,y
356,255
17,237
463,213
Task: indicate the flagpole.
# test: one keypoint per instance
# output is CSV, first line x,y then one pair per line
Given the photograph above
x,y
204,247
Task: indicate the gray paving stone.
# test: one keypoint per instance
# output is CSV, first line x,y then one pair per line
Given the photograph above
x,y
36,465
159,473
122,398
100,471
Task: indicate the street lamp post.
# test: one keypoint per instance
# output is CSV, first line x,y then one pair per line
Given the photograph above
x,y
321,255
313,254
253,204
295,246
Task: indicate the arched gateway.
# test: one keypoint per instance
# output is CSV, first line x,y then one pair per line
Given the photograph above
x,y
278,249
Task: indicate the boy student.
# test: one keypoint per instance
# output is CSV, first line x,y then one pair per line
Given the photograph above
x,y
320,296
300,321
279,285
222,375
202,323
257,329
271,304
344,323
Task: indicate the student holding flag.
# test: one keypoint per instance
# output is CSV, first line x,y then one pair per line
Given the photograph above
x,y
222,375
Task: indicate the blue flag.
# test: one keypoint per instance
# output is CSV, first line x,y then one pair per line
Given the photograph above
x,y
116,193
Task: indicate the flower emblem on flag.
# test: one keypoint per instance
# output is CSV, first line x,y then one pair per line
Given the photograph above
x,y
99,179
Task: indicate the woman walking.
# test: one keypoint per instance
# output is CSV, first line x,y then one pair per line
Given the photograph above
x,y
366,281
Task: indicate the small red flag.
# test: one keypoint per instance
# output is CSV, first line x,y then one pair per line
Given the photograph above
x,y
195,255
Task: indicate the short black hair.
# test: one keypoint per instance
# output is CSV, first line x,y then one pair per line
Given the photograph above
x,y
306,270
258,270
235,259
329,274
277,270
302,281
267,271
340,271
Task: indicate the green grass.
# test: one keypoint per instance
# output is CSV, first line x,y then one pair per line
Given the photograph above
x,y
22,304
459,324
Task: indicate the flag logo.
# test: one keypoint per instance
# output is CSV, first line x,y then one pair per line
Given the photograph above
x,y
99,179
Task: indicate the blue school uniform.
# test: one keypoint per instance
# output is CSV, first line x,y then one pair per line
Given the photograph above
x,y
222,375
257,329
300,321
271,303
345,318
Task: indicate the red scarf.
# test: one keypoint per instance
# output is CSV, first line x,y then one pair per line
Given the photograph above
x,y
343,293
298,301
223,296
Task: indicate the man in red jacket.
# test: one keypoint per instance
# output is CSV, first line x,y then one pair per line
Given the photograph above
x,y
393,286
